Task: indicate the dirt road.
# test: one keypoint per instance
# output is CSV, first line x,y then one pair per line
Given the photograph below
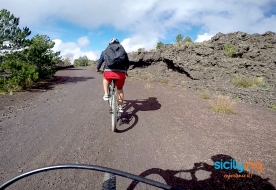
x,y
166,131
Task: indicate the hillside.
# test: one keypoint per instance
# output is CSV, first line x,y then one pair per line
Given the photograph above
x,y
238,64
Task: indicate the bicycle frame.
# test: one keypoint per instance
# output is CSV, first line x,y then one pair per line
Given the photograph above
x,y
89,167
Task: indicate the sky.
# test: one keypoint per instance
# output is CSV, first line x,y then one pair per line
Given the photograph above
x,y
84,27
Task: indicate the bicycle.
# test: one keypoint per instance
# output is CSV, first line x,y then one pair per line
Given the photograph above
x,y
113,103
109,183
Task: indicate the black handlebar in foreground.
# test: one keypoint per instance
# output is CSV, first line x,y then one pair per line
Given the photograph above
x,y
89,167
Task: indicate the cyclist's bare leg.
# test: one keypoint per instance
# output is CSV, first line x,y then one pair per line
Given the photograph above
x,y
120,97
105,86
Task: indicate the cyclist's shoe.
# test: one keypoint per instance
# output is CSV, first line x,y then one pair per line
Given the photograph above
x,y
105,97
120,110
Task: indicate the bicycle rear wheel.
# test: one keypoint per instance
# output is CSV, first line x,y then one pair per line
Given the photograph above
x,y
110,90
113,108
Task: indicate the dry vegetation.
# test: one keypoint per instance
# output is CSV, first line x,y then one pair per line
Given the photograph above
x,y
148,86
246,82
222,104
204,95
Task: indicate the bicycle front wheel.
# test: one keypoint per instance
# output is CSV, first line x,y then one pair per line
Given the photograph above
x,y
109,182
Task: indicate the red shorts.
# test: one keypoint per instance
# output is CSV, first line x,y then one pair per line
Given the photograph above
x,y
116,75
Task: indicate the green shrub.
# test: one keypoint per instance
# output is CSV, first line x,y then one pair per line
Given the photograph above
x,y
180,41
187,39
272,106
81,61
229,50
22,75
179,38
40,53
159,45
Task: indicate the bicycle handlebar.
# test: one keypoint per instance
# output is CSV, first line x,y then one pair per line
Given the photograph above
x,y
89,167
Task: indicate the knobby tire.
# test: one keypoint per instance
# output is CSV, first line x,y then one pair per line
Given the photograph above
x,y
109,182
113,107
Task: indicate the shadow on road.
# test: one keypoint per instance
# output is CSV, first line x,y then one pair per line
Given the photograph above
x,y
48,84
205,176
131,107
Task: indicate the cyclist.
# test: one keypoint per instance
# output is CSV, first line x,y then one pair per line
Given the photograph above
x,y
116,72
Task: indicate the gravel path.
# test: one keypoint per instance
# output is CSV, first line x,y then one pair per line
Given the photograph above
x,y
166,133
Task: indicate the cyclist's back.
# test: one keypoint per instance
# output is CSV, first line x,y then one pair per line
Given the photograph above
x,y
116,65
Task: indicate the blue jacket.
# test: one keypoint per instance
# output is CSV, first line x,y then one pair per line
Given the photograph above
x,y
122,68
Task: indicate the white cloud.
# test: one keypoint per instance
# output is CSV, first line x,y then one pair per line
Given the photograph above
x,y
83,41
73,50
136,42
203,37
130,47
150,20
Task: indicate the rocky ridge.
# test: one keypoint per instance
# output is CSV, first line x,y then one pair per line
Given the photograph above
x,y
207,66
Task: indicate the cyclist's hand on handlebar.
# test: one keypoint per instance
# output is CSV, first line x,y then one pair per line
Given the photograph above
x,y
99,71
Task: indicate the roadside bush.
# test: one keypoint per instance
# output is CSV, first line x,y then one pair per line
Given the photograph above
x,y
22,60
81,61
229,50
20,75
40,53
66,61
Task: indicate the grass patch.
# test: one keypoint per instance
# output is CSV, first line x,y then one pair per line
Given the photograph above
x,y
272,106
229,50
246,82
237,100
204,95
223,104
